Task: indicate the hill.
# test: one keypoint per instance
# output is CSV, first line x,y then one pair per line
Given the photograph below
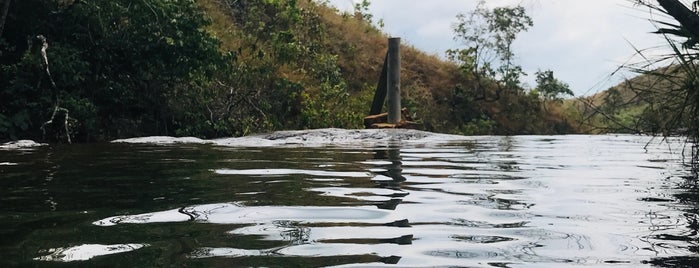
x,y
653,102
216,68
437,91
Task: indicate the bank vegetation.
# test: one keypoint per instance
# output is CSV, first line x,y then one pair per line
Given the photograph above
x,y
98,70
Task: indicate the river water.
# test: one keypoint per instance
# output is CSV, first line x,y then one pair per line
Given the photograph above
x,y
350,199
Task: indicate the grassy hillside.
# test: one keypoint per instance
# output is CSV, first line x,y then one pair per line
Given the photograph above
x,y
215,68
651,103
436,91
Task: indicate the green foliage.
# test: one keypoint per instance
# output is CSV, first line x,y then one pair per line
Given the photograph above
x,y
488,36
157,67
550,87
361,11
494,101
362,8
481,125
115,62
150,67
286,69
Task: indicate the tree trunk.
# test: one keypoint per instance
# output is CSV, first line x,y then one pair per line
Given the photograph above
x,y
688,19
3,14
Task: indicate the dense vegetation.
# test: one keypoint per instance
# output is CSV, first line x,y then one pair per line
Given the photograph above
x,y
211,68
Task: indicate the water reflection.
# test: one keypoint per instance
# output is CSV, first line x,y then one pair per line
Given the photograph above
x,y
85,252
392,169
492,201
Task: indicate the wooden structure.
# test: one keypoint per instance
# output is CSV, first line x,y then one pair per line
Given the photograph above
x,y
389,88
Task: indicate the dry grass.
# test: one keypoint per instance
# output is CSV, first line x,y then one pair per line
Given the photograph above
x,y
222,26
428,82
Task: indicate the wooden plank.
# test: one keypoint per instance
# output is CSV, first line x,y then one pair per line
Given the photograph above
x,y
374,119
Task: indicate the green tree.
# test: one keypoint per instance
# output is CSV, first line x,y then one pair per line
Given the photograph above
x,y
361,9
551,88
284,75
488,35
117,64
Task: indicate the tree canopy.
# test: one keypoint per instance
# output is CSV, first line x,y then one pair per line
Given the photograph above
x,y
115,63
488,35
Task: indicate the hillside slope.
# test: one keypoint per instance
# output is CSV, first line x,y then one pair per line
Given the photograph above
x,y
652,103
435,90
217,68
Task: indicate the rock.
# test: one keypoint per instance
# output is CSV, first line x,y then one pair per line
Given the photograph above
x,y
20,144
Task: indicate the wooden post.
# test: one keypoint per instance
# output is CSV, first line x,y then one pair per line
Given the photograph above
x,y
393,74
380,93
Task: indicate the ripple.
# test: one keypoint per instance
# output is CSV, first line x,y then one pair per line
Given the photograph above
x,y
235,213
368,194
280,172
482,239
482,201
86,252
484,224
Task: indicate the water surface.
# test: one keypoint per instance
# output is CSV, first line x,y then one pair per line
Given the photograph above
x,y
526,201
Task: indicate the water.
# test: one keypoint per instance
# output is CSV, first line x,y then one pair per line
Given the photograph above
x,y
529,201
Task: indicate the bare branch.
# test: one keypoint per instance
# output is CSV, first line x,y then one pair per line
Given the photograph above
x,y
3,14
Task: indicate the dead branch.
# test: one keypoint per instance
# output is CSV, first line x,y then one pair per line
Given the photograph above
x,y
3,14
60,115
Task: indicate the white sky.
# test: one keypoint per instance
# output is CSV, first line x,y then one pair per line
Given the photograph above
x,y
582,41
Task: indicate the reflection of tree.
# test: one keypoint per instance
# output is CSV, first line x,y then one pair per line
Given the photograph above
x,y
667,233
52,170
295,234
394,170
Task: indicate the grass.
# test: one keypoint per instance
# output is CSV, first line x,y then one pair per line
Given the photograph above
x,y
428,82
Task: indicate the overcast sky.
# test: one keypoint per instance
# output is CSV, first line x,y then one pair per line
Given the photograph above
x,y
582,41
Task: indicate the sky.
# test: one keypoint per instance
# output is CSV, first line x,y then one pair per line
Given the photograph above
x,y
582,41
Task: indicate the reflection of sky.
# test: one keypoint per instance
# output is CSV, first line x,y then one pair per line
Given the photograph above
x,y
86,252
581,41
234,213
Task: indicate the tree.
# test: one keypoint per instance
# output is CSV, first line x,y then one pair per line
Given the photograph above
x,y
488,36
117,64
551,88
